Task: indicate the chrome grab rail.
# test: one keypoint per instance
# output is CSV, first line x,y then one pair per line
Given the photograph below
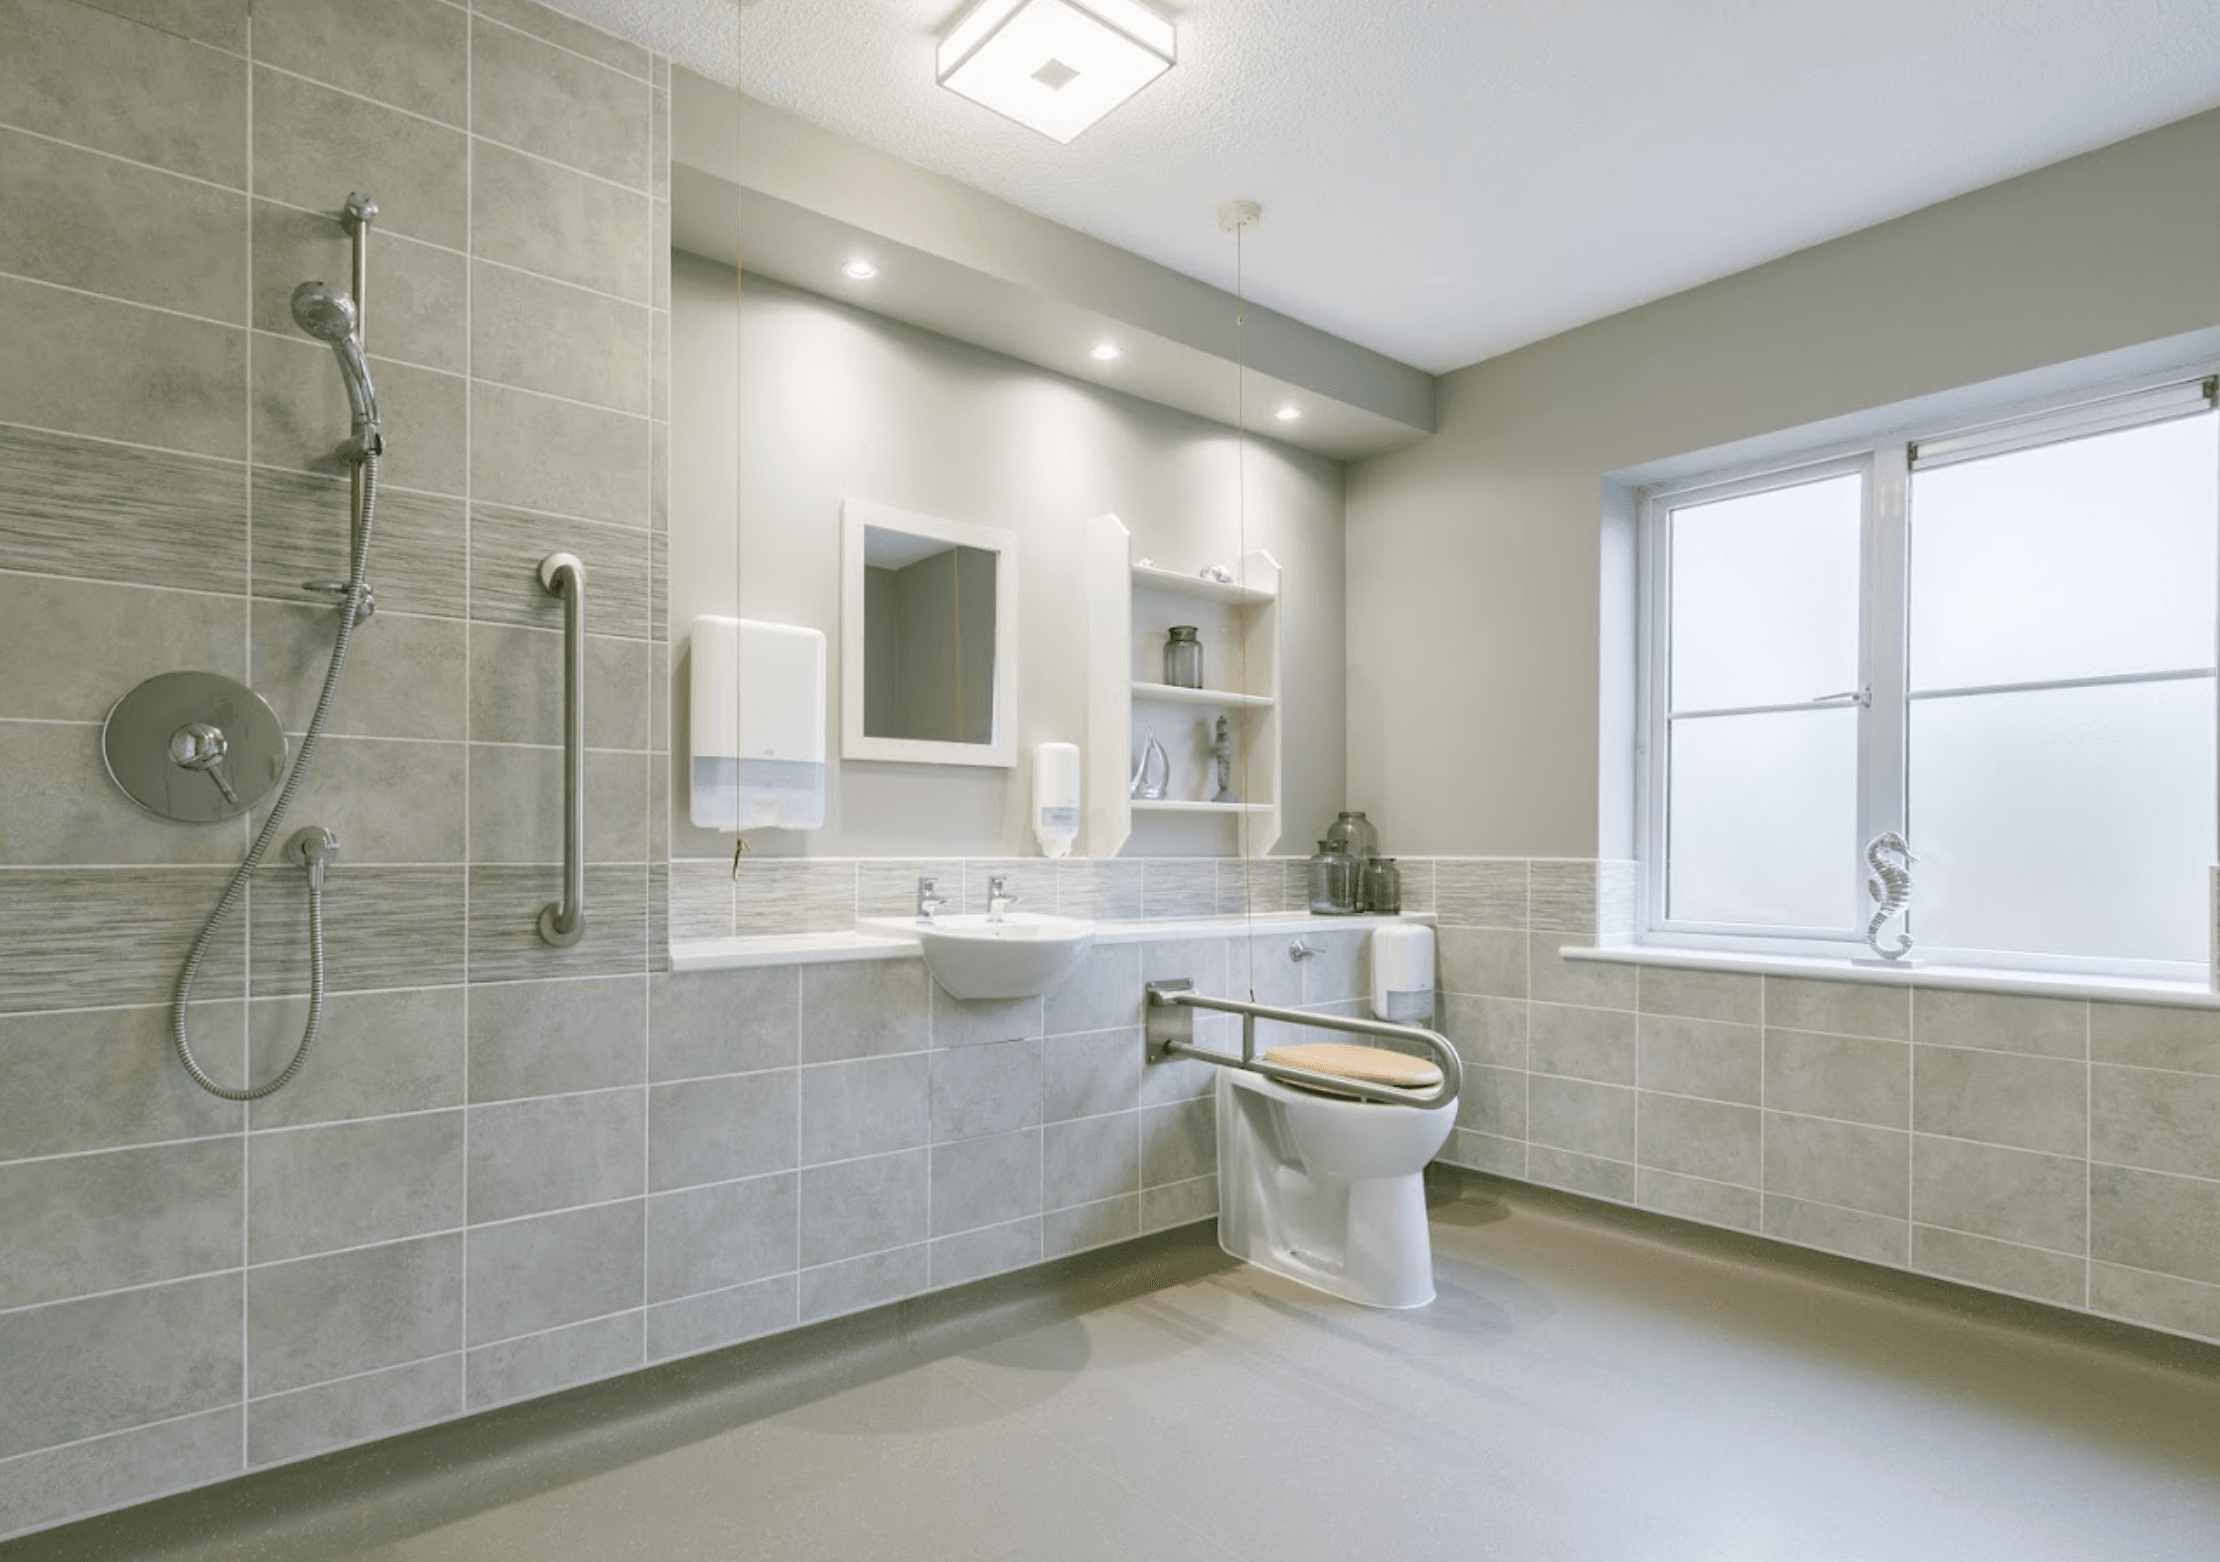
x,y
563,923
1171,1032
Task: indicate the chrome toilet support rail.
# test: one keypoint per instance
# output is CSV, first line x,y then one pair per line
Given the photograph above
x,y
1171,1032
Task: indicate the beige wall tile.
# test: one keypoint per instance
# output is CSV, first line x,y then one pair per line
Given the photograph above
x,y
1590,982
2155,1120
2001,1098
156,98
2001,1022
1594,1044
559,105
1850,1077
408,53
105,226
1702,995
1692,1198
78,364
1708,1139
1844,1164
1707,1058
2058,1278
2149,1220
2146,1036
313,145
2012,1195
1853,1233
1840,1008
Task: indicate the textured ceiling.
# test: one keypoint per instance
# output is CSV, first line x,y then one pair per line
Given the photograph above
x,y
1443,180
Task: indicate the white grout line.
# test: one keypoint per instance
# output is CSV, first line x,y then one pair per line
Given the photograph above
x,y
245,190
355,1377
128,303
101,1437
647,80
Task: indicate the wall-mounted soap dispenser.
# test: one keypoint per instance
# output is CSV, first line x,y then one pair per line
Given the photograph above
x,y
1056,797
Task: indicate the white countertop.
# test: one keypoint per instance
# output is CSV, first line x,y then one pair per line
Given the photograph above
x,y
881,942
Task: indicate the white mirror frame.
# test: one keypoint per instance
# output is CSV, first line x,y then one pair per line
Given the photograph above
x,y
855,516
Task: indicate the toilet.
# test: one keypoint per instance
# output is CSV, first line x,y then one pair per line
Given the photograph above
x,y
1329,1190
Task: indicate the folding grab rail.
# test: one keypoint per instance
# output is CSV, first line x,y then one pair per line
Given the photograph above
x,y
1171,1031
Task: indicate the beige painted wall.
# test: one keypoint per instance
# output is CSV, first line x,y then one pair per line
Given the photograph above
x,y
1474,573
838,402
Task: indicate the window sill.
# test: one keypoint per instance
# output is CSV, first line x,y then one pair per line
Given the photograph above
x,y
2112,989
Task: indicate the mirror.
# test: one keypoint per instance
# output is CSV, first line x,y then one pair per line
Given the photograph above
x,y
928,638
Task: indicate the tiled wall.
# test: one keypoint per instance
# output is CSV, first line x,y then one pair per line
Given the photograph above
x,y
506,1168
192,1287
2051,1148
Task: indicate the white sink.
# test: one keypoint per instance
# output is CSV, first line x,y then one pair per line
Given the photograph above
x,y
1021,956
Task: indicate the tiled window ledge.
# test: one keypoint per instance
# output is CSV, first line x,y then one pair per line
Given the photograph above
x,y
2117,989
724,954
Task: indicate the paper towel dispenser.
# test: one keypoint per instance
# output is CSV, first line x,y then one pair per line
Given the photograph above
x,y
758,714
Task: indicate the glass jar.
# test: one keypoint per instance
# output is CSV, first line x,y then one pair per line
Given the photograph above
x,y
1383,887
1333,882
1353,833
1183,658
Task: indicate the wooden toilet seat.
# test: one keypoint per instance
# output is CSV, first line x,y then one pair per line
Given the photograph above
x,y
1373,1065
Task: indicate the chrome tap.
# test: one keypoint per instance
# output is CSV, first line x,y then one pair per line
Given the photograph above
x,y
927,901
999,898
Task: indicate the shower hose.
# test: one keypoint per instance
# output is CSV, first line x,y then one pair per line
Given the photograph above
x,y
350,611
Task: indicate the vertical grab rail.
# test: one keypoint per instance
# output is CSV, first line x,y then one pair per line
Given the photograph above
x,y
563,922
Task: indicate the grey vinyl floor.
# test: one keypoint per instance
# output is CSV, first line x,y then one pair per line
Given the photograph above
x,y
1585,1387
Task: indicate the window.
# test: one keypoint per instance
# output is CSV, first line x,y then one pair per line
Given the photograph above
x,y
1998,644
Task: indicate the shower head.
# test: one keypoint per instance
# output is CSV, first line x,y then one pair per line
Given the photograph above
x,y
328,314
324,312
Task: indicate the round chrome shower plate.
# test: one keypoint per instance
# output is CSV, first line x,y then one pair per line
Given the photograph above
x,y
194,747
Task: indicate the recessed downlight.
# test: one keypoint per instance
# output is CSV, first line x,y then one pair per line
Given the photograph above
x,y
859,270
1288,413
1105,352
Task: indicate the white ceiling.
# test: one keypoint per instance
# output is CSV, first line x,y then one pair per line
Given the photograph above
x,y
1444,180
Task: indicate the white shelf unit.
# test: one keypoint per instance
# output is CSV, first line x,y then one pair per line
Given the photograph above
x,y
1130,609
1223,699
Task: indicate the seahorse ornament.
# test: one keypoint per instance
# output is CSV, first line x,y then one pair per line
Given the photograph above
x,y
1891,888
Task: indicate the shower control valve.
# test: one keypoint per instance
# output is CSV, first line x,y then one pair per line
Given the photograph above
x,y
201,745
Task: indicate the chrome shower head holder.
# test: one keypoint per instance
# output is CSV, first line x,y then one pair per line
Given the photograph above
x,y
329,314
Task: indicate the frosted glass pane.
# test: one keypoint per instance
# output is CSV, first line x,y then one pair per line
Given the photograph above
x,y
2064,821
1764,816
2076,560
1765,596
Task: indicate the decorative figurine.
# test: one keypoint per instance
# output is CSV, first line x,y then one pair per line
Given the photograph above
x,y
1221,749
1891,888
1216,572
1155,771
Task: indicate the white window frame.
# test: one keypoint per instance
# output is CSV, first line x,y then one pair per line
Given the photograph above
x,y
1886,460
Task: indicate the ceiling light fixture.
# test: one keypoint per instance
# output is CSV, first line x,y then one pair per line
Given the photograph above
x,y
1105,352
1288,413
861,270
1055,66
